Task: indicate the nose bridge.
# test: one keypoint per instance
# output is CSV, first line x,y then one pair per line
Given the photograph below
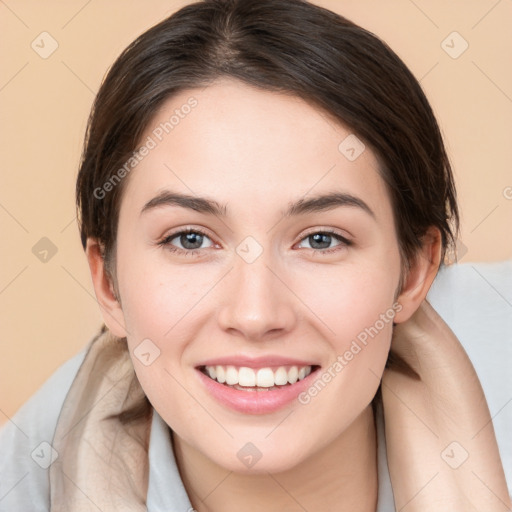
x,y
257,301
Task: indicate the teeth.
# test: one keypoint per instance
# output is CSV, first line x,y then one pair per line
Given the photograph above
x,y
293,375
263,377
231,375
221,374
281,376
247,377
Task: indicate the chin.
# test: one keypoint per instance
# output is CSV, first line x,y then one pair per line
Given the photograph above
x,y
277,463
259,458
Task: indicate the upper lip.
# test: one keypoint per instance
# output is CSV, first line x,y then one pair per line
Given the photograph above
x,y
255,362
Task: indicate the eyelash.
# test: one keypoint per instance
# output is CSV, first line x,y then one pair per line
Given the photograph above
x,y
166,242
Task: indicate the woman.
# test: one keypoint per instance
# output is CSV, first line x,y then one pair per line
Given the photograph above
x,y
264,201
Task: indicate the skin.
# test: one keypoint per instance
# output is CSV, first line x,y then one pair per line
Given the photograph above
x,y
255,152
442,450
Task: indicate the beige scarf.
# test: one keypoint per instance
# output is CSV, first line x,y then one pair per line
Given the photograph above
x,y
102,462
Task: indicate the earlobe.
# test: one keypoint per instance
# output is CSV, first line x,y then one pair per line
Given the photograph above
x,y
420,275
104,289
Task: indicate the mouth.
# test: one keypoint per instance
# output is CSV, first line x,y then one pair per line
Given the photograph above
x,y
265,379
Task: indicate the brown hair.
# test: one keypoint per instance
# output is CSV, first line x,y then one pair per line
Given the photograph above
x,y
278,45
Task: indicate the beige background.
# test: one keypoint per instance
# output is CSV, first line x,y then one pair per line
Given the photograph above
x,y
48,309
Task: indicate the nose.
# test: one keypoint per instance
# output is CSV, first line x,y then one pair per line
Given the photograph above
x,y
258,304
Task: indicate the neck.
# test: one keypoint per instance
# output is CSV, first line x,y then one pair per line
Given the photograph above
x,y
340,477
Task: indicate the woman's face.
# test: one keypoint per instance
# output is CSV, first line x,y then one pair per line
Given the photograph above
x,y
272,279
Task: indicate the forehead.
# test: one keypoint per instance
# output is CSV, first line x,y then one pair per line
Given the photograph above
x,y
250,148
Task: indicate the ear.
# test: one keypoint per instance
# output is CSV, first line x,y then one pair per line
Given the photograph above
x,y
420,275
104,289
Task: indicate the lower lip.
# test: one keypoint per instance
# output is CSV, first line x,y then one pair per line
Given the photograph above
x,y
255,402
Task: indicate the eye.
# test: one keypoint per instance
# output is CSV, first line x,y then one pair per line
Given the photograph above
x,y
187,241
190,242
325,241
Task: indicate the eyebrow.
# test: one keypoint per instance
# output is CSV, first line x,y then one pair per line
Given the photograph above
x,y
302,206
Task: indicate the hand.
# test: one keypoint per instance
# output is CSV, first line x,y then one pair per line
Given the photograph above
x,y
442,451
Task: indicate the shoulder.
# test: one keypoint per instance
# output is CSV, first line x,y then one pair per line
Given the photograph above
x,y
475,300
25,442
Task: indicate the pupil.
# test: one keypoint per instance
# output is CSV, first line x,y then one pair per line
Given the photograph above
x,y
320,241
191,240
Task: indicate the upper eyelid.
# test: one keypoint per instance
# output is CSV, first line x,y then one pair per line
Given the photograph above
x,y
330,231
181,231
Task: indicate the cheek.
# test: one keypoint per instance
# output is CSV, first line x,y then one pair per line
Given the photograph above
x,y
356,308
349,299
164,308
158,298
359,314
